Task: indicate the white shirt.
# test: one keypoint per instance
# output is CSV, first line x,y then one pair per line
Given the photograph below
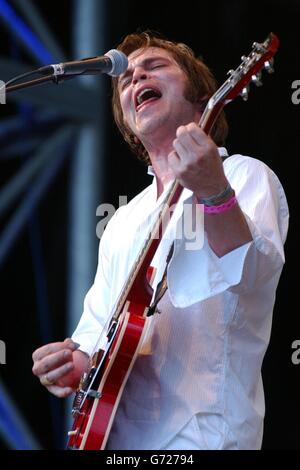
x,y
202,355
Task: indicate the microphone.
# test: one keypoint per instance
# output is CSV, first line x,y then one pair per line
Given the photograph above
x,y
113,63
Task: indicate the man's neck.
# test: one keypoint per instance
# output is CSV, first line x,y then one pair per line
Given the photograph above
x,y
163,172
159,144
160,164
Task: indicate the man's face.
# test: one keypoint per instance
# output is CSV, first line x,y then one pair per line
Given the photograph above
x,y
152,94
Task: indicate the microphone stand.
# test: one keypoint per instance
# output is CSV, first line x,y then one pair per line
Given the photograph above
x,y
39,81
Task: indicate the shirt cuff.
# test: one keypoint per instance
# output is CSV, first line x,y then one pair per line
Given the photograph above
x,y
202,273
88,342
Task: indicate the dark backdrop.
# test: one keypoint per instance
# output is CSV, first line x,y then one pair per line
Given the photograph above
x,y
266,127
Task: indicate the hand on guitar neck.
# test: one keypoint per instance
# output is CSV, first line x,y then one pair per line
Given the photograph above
x,y
59,366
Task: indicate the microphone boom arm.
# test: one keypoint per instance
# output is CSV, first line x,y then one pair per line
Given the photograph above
x,y
113,63
39,81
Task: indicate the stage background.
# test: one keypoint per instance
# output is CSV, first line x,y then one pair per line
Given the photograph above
x,y
35,268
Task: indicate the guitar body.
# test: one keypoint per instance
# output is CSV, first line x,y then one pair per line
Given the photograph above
x,y
92,425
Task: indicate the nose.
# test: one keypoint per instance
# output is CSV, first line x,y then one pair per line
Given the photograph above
x,y
138,74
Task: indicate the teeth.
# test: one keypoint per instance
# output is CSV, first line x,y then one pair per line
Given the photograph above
x,y
139,98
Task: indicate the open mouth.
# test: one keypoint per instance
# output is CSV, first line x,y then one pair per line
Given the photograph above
x,y
146,96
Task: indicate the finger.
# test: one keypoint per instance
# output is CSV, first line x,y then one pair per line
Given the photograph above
x,y
70,342
185,138
181,150
199,136
52,361
56,374
174,159
60,392
196,133
40,353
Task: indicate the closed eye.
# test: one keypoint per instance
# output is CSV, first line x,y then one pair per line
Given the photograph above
x,y
157,66
125,82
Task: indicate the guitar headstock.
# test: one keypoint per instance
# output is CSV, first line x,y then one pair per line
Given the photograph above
x,y
250,70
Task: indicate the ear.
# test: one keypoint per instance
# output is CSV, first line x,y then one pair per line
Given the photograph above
x,y
136,140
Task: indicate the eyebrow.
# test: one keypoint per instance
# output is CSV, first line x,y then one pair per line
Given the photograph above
x,y
145,62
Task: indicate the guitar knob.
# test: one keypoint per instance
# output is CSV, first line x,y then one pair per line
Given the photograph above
x,y
244,93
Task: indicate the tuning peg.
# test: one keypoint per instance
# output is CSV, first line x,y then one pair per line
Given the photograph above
x,y
230,72
244,93
258,47
256,79
244,58
269,66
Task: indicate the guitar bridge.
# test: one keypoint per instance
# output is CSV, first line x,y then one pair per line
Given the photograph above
x,y
77,402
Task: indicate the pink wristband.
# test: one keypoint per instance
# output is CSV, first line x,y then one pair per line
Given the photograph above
x,y
222,207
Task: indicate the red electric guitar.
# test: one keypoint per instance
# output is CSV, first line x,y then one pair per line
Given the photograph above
x,y
100,389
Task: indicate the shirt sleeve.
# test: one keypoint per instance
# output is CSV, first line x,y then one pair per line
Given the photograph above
x,y
203,274
91,330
